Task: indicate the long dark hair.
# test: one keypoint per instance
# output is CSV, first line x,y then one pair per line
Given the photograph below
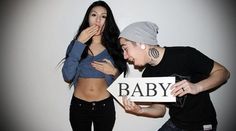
x,y
109,39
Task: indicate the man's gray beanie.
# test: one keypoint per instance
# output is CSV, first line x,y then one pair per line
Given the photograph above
x,y
141,32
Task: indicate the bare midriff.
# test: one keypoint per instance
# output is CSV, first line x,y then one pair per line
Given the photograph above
x,y
91,89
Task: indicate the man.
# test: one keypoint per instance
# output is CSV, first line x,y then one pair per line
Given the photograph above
x,y
196,76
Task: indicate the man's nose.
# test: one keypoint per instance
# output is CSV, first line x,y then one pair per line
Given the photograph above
x,y
125,55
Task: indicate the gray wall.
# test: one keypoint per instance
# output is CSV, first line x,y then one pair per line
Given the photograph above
x,y
35,34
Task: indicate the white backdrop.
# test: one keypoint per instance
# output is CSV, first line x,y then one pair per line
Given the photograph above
x,y
35,35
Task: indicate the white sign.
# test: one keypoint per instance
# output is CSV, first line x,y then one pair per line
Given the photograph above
x,y
147,89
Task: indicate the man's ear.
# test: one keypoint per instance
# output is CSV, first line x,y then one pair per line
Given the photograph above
x,y
142,46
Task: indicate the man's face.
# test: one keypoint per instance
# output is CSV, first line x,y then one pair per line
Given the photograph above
x,y
132,52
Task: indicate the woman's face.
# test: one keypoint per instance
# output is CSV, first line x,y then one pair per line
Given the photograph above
x,y
98,17
133,52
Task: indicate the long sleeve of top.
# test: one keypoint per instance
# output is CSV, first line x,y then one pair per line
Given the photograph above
x,y
70,67
75,67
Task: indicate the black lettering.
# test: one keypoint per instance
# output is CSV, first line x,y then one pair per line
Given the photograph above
x,y
152,89
164,89
123,87
138,90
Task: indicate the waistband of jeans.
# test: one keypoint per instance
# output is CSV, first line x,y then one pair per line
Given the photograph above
x,y
106,100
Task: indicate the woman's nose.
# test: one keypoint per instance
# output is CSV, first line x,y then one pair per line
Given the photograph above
x,y
98,19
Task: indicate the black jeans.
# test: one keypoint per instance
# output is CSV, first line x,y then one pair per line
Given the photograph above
x,y
170,126
100,113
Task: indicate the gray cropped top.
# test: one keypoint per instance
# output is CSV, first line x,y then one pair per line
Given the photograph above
x,y
75,68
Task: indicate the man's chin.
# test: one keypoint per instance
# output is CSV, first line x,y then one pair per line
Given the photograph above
x,y
136,66
139,67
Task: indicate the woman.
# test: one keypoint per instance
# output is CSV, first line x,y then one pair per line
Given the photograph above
x,y
196,76
93,60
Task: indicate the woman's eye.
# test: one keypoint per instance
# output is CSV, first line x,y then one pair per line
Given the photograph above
x,y
93,14
104,17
